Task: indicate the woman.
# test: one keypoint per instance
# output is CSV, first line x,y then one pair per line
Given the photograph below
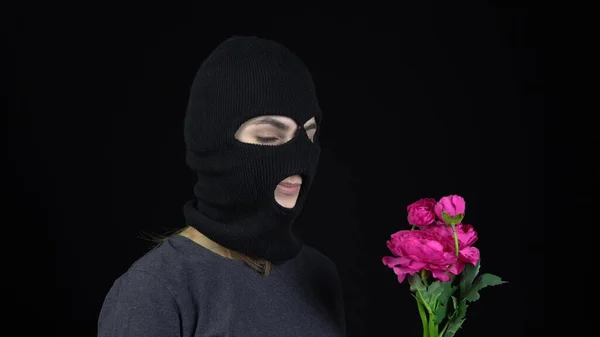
x,y
251,133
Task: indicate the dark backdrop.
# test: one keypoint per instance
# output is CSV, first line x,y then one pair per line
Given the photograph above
x,y
422,102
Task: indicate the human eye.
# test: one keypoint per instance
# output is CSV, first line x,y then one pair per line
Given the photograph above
x,y
267,140
268,135
310,132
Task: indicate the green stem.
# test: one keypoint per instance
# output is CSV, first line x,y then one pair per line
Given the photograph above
x,y
423,318
424,277
444,329
433,330
455,239
422,300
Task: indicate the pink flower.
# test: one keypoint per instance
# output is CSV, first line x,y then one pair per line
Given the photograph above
x,y
420,212
453,205
431,248
417,250
467,236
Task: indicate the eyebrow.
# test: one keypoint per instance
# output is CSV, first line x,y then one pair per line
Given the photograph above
x,y
271,121
280,125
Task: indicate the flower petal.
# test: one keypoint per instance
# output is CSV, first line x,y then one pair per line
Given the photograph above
x,y
469,255
391,261
440,275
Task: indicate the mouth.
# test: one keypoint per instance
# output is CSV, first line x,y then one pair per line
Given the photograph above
x,y
289,188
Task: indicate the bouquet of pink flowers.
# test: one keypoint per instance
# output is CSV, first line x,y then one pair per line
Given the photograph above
x,y
442,265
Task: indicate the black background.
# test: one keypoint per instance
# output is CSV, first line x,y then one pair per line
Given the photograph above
x,y
425,101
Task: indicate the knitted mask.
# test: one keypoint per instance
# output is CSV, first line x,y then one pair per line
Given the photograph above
x,y
234,204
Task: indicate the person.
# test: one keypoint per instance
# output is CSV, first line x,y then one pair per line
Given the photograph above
x,y
236,268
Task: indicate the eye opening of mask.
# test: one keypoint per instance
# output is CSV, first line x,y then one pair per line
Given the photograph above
x,y
273,130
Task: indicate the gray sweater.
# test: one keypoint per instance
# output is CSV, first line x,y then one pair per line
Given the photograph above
x,y
181,289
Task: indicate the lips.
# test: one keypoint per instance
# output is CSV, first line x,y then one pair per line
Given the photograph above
x,y
289,188
286,184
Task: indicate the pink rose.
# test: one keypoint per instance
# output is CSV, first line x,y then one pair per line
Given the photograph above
x,y
417,250
453,205
467,236
420,213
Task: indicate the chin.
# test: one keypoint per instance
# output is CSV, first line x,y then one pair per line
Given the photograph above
x,y
287,202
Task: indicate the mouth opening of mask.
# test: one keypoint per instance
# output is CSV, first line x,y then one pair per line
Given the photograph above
x,y
289,200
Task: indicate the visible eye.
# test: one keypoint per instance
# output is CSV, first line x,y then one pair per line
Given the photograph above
x,y
310,131
267,140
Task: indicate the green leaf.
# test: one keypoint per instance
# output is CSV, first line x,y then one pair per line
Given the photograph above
x,y
458,318
443,296
432,293
416,284
462,310
454,302
452,220
467,277
446,217
453,327
448,291
439,314
454,308
483,281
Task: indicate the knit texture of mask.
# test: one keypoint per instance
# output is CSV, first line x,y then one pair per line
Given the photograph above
x,y
234,204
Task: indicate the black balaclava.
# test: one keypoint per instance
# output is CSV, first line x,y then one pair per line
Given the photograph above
x,y
243,78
